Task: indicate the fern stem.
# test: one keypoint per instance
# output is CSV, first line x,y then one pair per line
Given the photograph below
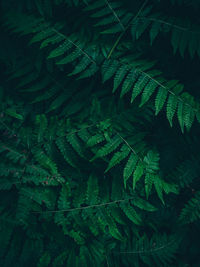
x,y
169,24
82,51
170,92
125,29
115,14
146,251
87,207
129,146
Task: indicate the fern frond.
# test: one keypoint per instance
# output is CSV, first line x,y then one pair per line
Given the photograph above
x,y
191,211
143,204
130,167
88,162
60,259
63,201
141,79
138,173
184,35
44,160
92,190
131,214
118,157
64,148
75,143
41,122
109,14
108,148
49,35
151,161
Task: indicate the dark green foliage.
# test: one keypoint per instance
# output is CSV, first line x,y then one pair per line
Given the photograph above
x,y
99,133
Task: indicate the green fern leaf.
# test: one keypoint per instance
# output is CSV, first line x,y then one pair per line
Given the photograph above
x,y
138,27
139,86
44,260
151,161
193,45
114,231
149,180
128,82
175,40
189,117
139,171
64,149
118,157
171,107
61,49
81,66
189,110
107,220
48,32
75,143
108,148
12,112
143,204
78,238
130,167
95,139
191,211
94,5
109,68
52,40
117,214
76,53
131,214
44,160
41,122
160,99
60,259
158,183
65,193
185,39
92,190
148,91
119,76
155,28
181,114
90,71
170,188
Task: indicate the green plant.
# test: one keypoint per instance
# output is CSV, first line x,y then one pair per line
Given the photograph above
x,y
99,127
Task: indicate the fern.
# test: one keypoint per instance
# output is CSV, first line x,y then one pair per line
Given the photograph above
x,y
118,157
184,34
92,191
110,14
132,214
191,212
91,172
130,167
146,82
51,36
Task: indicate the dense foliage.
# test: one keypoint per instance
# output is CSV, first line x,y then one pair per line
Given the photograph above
x,y
99,133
